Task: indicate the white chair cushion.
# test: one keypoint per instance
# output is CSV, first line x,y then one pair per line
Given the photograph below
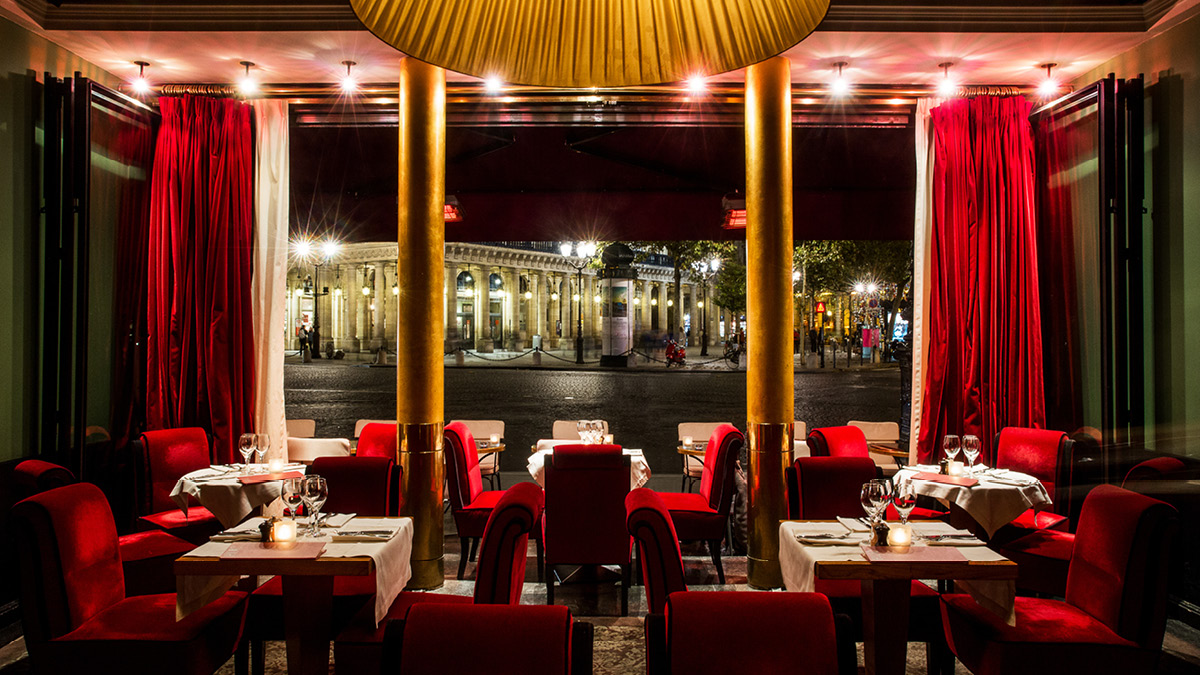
x,y
301,428
886,432
308,449
483,429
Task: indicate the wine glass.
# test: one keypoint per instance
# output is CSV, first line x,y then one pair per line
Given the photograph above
x,y
293,494
971,452
871,498
263,444
316,491
246,447
905,499
951,444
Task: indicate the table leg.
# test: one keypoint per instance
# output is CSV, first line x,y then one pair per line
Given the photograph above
x,y
307,607
885,625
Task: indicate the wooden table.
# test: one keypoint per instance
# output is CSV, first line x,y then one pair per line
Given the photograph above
x,y
890,449
886,588
695,449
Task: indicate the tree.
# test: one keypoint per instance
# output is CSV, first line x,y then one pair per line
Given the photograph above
x,y
889,264
729,287
683,255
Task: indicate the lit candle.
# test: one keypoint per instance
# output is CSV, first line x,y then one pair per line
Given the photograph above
x,y
899,535
275,465
955,469
687,441
494,439
608,439
285,531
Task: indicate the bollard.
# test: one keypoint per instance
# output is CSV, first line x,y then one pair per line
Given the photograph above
x,y
835,346
459,357
307,358
537,357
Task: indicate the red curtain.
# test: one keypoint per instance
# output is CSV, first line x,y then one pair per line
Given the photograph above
x,y
985,337
199,364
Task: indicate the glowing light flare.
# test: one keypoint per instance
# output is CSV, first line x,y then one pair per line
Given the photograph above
x,y
696,84
1049,86
841,84
330,248
140,85
349,84
493,84
949,85
247,85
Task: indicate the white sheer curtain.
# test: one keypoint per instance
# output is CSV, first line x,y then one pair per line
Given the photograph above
x,y
267,297
921,241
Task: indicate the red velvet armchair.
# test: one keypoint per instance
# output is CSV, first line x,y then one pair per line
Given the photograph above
x,y
167,455
146,557
1045,455
703,515
76,615
378,439
838,442
499,580
1114,615
649,523
584,522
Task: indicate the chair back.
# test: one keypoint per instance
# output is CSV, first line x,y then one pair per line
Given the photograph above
x,y
887,432
70,564
358,426
1118,569
379,439
720,462
800,440
522,639
168,454
823,488
301,428
500,574
767,626
359,485
1043,454
34,475
569,430
462,466
584,522
649,523
699,431
309,449
485,428
837,442
1158,468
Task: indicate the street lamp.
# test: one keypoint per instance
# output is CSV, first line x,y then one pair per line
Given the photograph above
x,y
706,269
306,252
579,259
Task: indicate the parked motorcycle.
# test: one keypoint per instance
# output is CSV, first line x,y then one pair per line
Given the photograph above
x,y
676,354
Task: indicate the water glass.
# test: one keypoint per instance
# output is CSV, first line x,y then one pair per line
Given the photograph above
x,y
872,498
316,491
951,444
971,451
262,445
246,447
905,500
293,494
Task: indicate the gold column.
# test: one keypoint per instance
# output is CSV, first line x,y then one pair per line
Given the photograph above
x,y
419,382
770,401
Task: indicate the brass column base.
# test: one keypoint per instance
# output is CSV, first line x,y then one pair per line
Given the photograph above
x,y
770,451
423,461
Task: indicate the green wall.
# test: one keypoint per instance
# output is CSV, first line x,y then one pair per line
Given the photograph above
x,y
24,59
1170,63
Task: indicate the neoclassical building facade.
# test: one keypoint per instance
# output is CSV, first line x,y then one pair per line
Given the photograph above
x,y
498,296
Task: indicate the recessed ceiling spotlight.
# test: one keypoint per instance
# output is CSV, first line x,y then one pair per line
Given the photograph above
x,y
840,85
697,84
947,87
140,86
247,85
493,84
349,84
1049,86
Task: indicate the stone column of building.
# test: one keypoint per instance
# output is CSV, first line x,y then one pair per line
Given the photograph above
x,y
379,300
450,306
533,306
554,315
662,308
420,387
512,298
770,403
677,304
568,304
353,297
480,300
364,308
647,308
591,326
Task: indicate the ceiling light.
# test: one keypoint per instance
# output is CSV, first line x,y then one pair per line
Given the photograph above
x,y
349,84
947,87
1049,86
246,84
840,86
140,86
493,84
696,84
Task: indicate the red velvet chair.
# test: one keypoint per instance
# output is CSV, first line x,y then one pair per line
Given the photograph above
x,y
776,633
76,616
838,442
499,580
1045,455
649,523
167,455
703,516
584,522
378,439
1043,557
147,558
522,640
1114,615
814,473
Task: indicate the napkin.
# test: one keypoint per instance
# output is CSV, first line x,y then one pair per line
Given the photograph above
x,y
336,519
351,536
816,540
952,541
852,524
238,535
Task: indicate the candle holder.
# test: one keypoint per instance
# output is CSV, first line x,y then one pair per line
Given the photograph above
x,y
955,469
900,535
687,442
284,533
275,465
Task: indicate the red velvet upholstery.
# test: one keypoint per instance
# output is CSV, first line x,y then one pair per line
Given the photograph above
x,y
649,523
1157,468
1115,609
703,515
775,633
361,485
168,454
1045,455
378,439
584,522
75,613
34,475
469,504
837,442
522,640
501,575
828,487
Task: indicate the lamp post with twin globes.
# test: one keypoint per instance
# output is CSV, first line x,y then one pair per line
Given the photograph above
x,y
706,269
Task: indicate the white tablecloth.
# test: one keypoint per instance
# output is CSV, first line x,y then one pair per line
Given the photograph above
x,y
798,561
392,565
639,470
991,503
219,491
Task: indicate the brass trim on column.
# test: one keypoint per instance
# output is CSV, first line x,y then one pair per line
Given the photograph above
x,y
421,457
770,451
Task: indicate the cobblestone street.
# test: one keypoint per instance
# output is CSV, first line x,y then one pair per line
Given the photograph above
x,y
642,407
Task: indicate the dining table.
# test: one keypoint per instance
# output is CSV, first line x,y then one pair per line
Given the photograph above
x,y
357,546
639,469
231,491
837,549
983,501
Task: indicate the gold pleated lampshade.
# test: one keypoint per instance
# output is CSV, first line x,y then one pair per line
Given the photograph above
x,y
591,43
